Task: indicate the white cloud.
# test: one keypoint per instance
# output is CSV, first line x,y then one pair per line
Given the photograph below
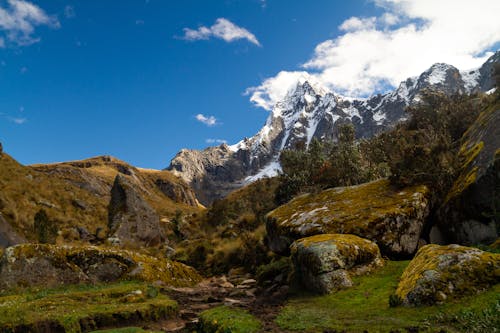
x,y
223,29
273,89
218,141
19,19
69,11
356,23
207,120
372,54
18,121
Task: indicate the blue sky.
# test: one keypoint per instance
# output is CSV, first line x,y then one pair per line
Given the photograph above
x,y
93,77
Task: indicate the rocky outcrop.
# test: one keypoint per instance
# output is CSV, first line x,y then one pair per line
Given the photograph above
x,y
438,273
8,236
390,217
29,265
180,193
325,263
469,214
309,110
131,218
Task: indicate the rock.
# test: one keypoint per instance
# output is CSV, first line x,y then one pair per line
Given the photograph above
x,y
325,263
392,218
30,265
8,236
469,214
439,273
131,218
178,192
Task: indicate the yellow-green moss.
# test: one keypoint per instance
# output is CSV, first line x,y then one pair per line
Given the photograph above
x,y
340,240
225,319
140,267
436,267
80,308
376,211
468,175
356,205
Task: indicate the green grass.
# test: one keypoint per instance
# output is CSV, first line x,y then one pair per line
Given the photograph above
x,y
366,307
225,319
83,308
124,330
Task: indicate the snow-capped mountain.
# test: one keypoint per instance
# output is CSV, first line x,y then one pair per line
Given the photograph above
x,y
310,110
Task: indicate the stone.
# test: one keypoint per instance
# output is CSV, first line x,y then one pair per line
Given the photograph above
x,y
325,263
178,192
392,218
440,273
469,214
131,219
33,265
8,236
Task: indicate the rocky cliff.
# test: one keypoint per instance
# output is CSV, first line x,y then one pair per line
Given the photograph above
x,y
309,111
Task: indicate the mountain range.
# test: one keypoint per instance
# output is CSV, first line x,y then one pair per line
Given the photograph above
x,y
310,110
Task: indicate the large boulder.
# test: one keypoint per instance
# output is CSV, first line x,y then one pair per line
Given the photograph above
x,y
131,219
325,263
28,265
469,214
439,272
392,218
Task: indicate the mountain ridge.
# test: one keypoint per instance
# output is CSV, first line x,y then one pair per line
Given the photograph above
x,y
309,111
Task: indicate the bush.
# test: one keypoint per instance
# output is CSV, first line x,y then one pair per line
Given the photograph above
x,y
45,229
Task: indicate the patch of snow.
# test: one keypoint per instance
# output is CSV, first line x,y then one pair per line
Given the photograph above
x,y
309,99
491,91
471,79
437,73
270,170
313,124
352,112
379,117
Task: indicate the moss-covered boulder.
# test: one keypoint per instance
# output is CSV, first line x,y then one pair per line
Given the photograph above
x,y
29,265
392,218
438,273
470,213
325,263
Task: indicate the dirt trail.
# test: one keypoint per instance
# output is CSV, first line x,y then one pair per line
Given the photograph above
x,y
240,291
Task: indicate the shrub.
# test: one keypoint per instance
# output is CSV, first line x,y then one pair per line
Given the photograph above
x,y
45,229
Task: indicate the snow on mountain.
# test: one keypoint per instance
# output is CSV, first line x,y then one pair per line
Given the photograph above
x,y
310,110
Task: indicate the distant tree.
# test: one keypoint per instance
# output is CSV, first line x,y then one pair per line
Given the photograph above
x,y
424,149
45,229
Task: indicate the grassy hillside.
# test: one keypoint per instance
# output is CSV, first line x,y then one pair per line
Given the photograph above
x,y
76,194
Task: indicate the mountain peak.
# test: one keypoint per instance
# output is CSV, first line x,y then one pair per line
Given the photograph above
x,y
310,110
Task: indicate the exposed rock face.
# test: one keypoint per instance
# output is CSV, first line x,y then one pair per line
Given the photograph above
x,y
325,263
309,111
177,192
470,212
438,273
391,218
8,236
28,265
131,219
